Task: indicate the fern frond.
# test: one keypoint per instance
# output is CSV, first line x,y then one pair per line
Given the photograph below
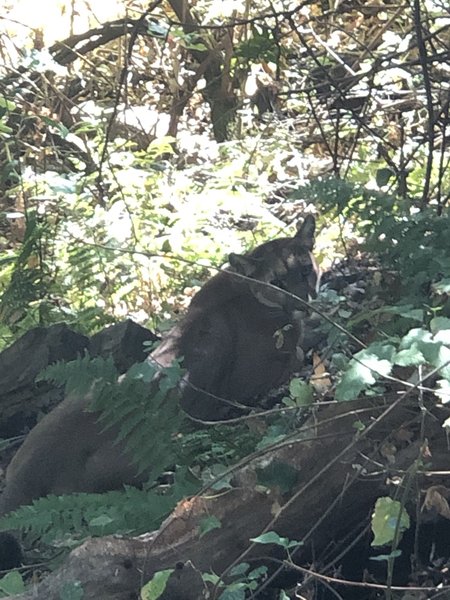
x,y
128,511
80,375
145,410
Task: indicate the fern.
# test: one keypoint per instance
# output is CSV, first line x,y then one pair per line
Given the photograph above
x,y
143,405
31,279
129,511
79,375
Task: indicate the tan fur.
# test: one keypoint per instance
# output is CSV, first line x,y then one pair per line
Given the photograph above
x,y
239,339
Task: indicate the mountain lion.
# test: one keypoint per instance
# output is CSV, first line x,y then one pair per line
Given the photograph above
x,y
241,336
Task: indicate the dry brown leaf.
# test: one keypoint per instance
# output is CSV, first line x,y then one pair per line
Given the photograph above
x,y
436,499
388,450
320,380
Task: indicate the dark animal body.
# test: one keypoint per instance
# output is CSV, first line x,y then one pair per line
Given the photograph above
x,y
240,338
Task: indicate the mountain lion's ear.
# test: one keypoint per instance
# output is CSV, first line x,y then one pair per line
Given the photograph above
x,y
242,264
306,231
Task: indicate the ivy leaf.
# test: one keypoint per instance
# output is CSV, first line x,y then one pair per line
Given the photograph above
x,y
411,356
154,588
363,370
385,518
417,336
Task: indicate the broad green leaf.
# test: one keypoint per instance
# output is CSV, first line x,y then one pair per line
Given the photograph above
x,y
416,335
409,357
210,578
208,524
439,323
12,583
278,474
154,588
301,392
385,518
363,370
240,569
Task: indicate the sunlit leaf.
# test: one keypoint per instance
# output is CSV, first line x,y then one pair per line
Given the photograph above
x,y
385,518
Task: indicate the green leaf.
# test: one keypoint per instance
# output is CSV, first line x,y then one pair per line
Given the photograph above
x,y
12,583
442,287
62,129
393,554
72,590
5,128
208,524
7,104
154,588
210,578
415,336
442,390
166,247
363,370
358,425
439,323
383,176
407,311
258,573
301,391
278,474
157,29
271,537
385,518
101,521
240,569
409,356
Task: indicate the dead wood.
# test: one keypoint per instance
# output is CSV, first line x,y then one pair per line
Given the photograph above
x,y
335,490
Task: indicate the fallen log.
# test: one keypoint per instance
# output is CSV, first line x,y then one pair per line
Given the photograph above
x,y
338,480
